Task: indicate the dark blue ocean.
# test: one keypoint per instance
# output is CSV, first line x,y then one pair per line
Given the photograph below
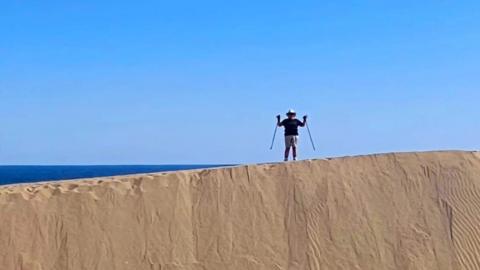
x,y
27,174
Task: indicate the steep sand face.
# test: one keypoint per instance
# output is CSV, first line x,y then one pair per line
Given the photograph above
x,y
394,211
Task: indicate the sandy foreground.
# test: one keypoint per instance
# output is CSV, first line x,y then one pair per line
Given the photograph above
x,y
391,211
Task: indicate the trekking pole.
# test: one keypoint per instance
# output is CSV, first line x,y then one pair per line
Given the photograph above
x,y
274,133
310,134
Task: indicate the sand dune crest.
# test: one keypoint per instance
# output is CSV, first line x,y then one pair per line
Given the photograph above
x,y
392,211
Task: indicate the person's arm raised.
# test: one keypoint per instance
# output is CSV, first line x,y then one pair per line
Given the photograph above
x,y
304,120
278,121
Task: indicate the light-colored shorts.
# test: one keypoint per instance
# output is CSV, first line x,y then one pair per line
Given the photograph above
x,y
291,141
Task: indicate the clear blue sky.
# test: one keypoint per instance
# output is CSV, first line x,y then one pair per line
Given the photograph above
x,y
128,82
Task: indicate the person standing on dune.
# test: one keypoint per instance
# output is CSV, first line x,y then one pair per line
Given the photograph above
x,y
291,124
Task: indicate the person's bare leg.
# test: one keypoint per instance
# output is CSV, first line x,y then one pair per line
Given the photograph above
x,y
294,152
287,152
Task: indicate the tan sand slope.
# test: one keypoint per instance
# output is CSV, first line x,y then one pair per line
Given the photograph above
x,y
393,211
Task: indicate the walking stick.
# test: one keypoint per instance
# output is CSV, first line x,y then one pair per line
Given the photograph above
x,y
274,133
310,134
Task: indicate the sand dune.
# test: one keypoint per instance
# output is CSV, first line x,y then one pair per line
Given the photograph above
x,y
392,211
